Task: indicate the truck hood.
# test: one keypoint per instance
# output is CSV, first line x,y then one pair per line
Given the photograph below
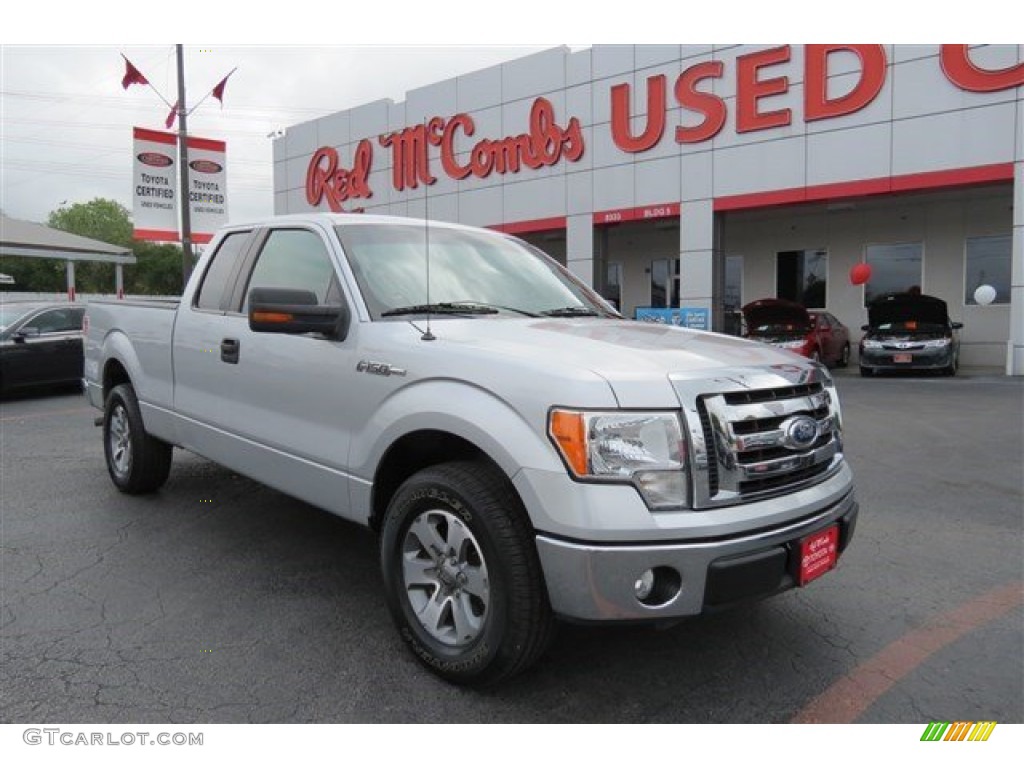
x,y
636,358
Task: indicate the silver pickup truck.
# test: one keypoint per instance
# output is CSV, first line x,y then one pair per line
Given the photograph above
x,y
523,452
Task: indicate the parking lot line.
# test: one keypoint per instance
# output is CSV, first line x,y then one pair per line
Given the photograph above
x,y
848,698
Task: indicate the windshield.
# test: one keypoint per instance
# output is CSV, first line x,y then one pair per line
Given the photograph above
x,y
466,268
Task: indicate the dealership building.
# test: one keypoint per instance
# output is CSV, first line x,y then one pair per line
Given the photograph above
x,y
694,179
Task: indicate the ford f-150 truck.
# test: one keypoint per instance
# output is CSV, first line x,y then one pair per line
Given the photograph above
x,y
523,452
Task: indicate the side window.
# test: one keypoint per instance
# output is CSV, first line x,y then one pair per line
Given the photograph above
x,y
56,321
294,258
219,271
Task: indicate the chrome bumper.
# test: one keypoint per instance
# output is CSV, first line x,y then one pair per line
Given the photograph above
x,y
595,582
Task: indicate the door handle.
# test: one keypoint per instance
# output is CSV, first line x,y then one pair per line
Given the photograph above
x,y
229,349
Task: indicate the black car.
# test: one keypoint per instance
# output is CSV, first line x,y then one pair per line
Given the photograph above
x,y
40,344
908,331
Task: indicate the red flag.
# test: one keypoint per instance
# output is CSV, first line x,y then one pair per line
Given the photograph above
x,y
171,116
218,89
132,76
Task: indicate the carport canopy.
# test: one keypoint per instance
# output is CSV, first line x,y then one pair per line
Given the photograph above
x,y
26,238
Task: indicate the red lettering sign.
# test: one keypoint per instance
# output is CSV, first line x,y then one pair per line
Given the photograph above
x,y
817,104
622,132
711,106
326,178
546,144
750,88
964,73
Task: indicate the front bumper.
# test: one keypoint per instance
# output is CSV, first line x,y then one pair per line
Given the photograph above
x,y
935,358
595,582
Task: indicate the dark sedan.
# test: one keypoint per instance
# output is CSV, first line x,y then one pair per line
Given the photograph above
x,y
40,344
907,332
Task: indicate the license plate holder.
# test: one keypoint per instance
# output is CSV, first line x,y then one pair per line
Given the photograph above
x,y
903,358
819,553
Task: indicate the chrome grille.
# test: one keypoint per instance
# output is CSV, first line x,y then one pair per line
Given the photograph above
x,y
744,449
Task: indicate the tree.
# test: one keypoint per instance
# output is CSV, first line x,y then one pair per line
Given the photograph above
x,y
157,271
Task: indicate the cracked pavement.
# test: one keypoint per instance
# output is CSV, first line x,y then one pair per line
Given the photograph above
x,y
220,600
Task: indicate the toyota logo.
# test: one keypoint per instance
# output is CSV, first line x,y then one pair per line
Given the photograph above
x,y
799,432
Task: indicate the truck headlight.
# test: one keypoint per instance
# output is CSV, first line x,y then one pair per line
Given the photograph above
x,y
645,449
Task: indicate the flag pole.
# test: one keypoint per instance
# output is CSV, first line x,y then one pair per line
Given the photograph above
x,y
186,219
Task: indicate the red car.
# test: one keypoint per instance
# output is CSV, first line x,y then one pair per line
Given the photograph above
x,y
815,333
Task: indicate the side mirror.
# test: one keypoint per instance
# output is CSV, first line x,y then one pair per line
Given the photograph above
x,y
29,332
865,327
957,326
288,310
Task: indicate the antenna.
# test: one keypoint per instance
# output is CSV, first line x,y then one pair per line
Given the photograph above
x,y
427,335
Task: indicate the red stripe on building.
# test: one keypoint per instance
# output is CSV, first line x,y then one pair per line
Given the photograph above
x,y
911,182
202,237
642,213
158,136
533,225
156,234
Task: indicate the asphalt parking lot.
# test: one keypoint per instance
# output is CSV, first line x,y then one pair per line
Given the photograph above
x,y
219,600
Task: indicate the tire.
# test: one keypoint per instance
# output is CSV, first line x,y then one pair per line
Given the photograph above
x,y
461,574
844,357
137,462
953,367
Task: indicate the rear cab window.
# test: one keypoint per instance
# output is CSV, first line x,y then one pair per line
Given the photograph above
x,y
219,280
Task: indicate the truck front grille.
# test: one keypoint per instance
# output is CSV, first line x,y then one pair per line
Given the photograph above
x,y
745,452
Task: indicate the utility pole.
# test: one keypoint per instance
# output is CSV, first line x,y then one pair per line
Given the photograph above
x,y
186,218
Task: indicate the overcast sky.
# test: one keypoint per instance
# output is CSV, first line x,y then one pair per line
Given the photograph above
x,y
67,122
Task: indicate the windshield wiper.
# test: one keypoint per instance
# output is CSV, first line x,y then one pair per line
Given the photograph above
x,y
576,311
444,308
470,303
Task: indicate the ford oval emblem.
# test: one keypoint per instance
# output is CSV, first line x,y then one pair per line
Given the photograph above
x,y
154,159
799,432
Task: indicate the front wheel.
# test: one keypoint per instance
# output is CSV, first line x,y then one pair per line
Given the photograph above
x,y
137,461
462,576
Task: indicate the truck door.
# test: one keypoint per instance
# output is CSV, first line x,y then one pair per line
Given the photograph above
x,y
281,397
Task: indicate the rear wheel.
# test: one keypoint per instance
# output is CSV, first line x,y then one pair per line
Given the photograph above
x,y
462,576
137,462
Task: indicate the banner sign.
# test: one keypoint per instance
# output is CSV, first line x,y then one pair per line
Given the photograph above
x,y
155,186
697,318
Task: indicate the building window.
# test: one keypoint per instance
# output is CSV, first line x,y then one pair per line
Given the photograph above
x,y
732,295
895,268
663,278
988,263
613,284
802,276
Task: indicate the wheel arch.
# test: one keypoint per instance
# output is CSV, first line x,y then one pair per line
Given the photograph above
x,y
413,452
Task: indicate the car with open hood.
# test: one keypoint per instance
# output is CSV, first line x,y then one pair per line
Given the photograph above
x,y
909,331
815,334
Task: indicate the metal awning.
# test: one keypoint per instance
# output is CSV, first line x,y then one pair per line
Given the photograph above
x,y
26,238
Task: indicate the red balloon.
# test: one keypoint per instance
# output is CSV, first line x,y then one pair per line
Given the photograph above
x,y
860,273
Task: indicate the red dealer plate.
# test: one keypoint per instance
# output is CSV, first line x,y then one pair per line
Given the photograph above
x,y
818,553
902,358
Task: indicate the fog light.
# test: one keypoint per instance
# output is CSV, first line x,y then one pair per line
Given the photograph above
x,y
644,585
657,587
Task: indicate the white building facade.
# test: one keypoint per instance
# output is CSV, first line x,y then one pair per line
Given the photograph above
x,y
689,180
